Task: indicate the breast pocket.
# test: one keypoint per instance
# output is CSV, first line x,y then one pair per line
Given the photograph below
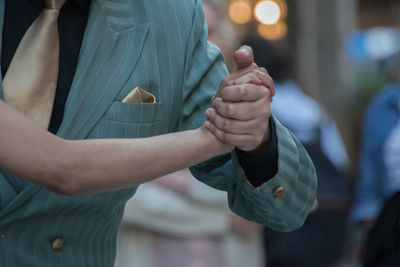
x,y
135,112
130,120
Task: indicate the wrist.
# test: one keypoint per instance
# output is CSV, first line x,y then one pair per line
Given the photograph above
x,y
212,143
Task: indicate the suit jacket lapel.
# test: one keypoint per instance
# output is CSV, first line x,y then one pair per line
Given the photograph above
x,y
110,50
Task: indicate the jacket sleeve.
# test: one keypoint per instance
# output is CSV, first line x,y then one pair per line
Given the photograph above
x,y
204,70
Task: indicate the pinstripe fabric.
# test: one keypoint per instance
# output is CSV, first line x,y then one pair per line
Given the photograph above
x,y
159,45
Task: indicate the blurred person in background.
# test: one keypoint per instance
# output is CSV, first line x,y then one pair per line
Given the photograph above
x,y
321,239
379,175
177,221
380,146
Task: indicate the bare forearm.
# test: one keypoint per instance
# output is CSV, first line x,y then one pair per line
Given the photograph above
x,y
78,167
131,162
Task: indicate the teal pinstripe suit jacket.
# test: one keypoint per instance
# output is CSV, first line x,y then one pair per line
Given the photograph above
x,y
159,45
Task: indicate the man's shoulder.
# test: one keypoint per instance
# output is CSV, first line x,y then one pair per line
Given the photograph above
x,y
173,17
177,8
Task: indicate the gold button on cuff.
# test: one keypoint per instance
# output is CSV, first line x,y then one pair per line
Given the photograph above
x,y
278,192
57,243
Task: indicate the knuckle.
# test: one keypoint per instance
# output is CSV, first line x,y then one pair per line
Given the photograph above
x,y
230,138
271,81
242,90
226,125
215,105
225,92
225,81
224,137
265,91
258,72
218,134
212,119
252,76
262,69
212,129
230,110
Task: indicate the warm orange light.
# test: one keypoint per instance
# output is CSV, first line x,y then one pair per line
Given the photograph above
x,y
283,7
273,32
240,12
267,12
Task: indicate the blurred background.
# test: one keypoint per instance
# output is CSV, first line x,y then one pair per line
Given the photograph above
x,y
335,64
343,50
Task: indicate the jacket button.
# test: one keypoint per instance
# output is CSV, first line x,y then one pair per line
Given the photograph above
x,y
278,192
57,243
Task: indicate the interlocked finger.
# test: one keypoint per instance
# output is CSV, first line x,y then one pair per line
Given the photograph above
x,y
231,126
248,78
237,140
244,92
230,80
262,74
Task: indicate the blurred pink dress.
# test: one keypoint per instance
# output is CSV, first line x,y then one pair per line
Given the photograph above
x,y
199,251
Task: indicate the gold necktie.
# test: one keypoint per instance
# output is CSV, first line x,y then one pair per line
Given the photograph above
x,y
31,79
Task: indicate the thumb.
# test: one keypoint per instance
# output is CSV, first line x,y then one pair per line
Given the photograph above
x,y
243,57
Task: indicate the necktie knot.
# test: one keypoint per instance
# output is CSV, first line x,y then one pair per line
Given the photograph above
x,y
54,4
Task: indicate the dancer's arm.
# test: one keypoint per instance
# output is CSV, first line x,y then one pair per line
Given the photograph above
x,y
88,166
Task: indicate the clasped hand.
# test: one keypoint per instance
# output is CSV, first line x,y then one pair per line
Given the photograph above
x,y
240,110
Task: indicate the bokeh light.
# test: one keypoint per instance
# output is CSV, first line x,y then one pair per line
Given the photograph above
x,y
240,12
267,12
283,8
273,32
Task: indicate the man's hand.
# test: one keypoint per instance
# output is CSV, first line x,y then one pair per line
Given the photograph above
x,y
244,64
240,111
